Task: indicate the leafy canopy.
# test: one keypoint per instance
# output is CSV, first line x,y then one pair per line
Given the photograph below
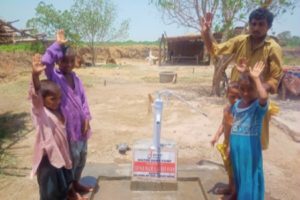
x,y
86,20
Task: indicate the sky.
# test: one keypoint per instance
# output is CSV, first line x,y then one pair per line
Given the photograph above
x,y
145,21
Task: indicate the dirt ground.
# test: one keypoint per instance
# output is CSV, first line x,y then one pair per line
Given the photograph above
x,y
118,99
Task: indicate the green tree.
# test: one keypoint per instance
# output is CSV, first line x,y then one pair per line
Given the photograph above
x,y
187,13
294,41
48,20
94,21
89,21
286,38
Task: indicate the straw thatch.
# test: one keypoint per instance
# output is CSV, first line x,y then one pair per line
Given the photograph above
x,y
10,34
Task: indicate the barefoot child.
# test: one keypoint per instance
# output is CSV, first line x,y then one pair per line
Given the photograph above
x,y
52,161
74,103
225,127
245,136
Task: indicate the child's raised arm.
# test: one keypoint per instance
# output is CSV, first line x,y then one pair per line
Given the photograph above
x,y
254,73
60,37
241,66
37,69
54,53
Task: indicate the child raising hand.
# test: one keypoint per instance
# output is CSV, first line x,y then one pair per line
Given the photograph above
x,y
51,159
74,103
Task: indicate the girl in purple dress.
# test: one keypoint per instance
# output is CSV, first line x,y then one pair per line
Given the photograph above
x,y
73,105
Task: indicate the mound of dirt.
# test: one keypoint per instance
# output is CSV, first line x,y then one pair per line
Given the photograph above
x,y
295,52
117,52
14,63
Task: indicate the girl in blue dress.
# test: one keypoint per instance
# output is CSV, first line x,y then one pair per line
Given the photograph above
x,y
245,143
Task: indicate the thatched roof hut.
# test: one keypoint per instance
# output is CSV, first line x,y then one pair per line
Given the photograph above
x,y
10,34
187,49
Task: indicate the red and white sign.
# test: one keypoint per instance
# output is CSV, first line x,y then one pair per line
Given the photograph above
x,y
151,164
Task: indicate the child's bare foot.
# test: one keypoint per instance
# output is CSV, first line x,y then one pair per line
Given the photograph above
x,y
72,195
228,197
81,188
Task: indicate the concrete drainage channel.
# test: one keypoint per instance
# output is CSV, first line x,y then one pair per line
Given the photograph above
x,y
194,182
120,188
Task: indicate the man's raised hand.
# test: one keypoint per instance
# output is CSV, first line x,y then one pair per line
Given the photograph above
x,y
206,21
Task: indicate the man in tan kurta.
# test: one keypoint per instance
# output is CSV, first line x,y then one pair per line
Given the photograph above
x,y
253,47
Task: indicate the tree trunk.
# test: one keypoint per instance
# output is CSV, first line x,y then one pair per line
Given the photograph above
x,y
220,65
159,52
215,89
93,53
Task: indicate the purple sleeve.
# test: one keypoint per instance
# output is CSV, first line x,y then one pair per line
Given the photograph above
x,y
85,106
52,55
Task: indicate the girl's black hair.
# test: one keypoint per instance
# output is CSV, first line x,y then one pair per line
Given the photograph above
x,y
68,51
246,79
233,85
49,88
260,14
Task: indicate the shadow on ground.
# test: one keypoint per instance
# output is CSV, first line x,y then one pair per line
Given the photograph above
x,y
13,127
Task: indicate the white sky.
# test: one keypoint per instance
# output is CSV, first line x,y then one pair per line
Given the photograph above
x,y
145,20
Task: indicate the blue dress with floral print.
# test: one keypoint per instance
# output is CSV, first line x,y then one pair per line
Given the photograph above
x,y
246,151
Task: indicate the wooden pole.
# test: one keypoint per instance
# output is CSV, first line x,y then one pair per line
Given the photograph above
x,y
159,53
